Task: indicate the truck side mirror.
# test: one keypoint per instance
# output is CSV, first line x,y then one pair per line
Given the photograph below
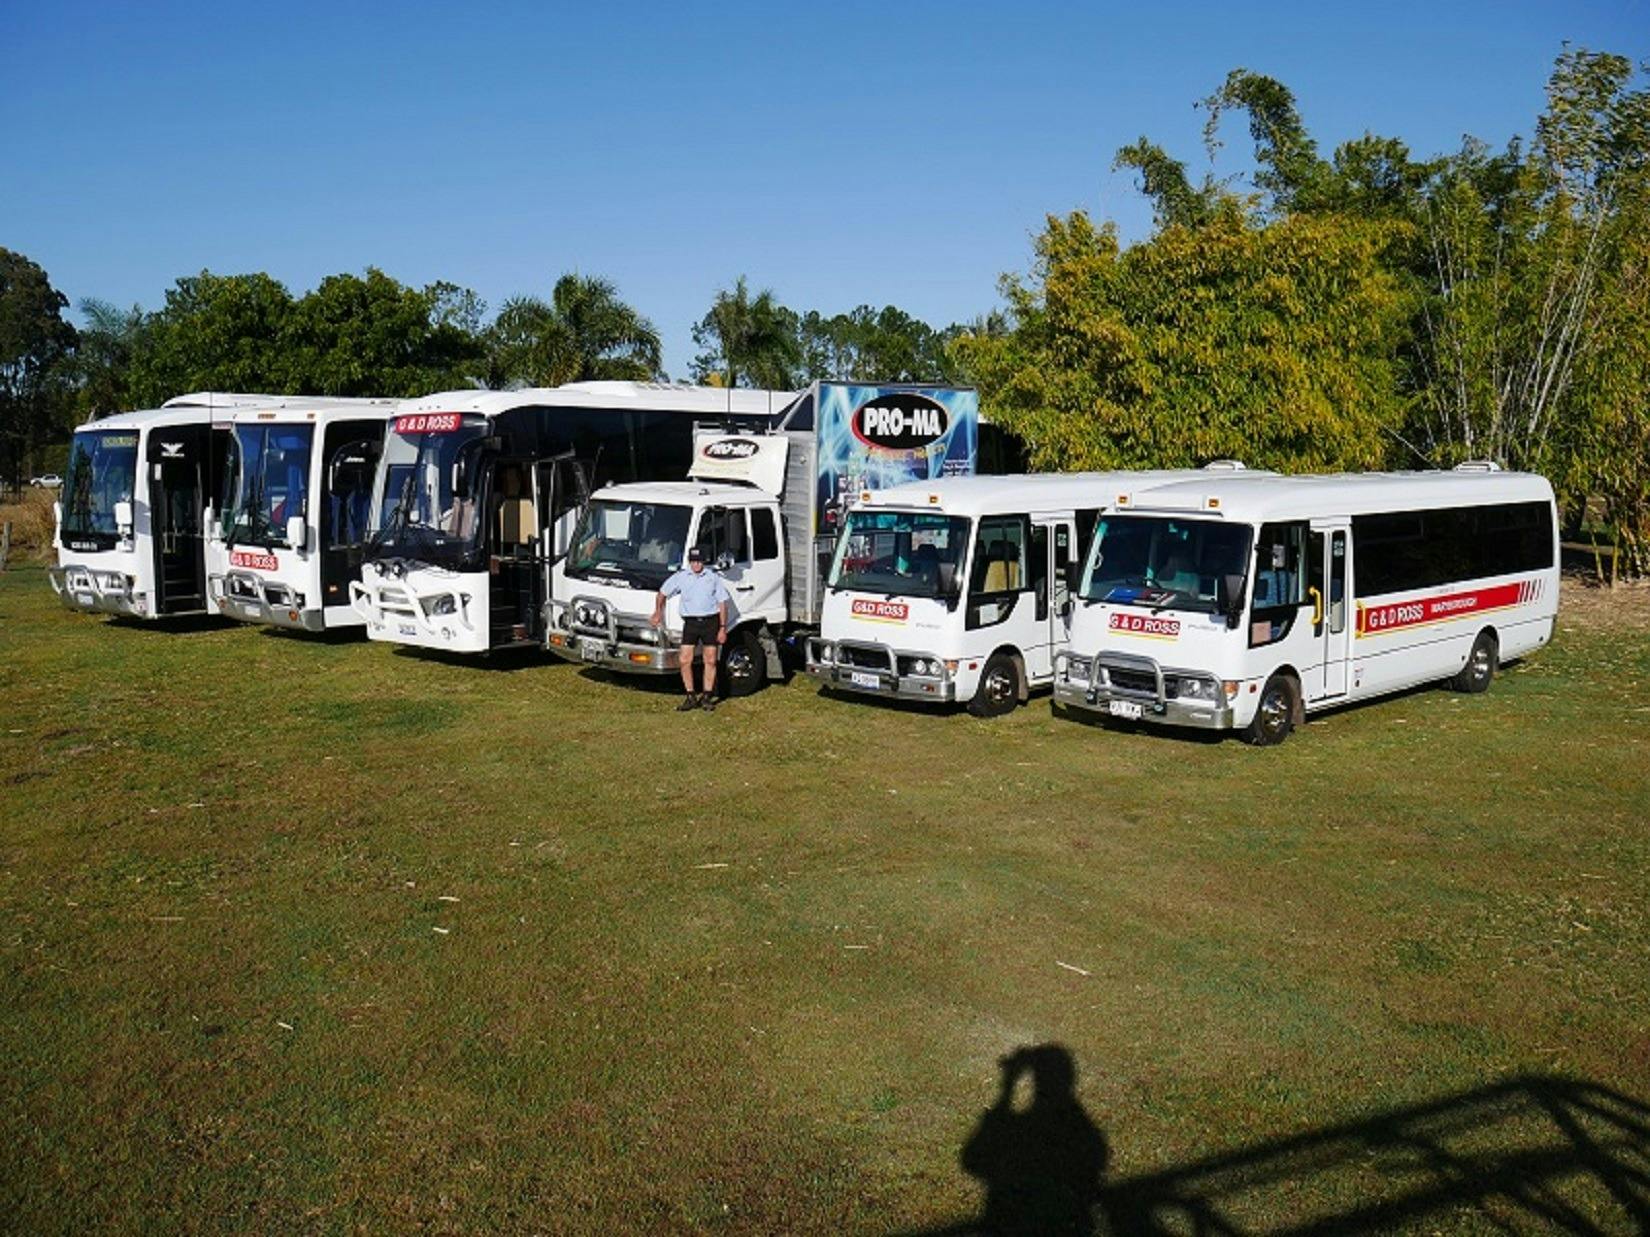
x,y
1073,571
123,516
295,532
724,560
1229,598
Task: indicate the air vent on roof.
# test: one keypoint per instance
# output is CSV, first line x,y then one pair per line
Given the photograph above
x,y
1226,466
1478,466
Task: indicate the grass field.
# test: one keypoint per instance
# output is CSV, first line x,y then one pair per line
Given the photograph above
x,y
303,935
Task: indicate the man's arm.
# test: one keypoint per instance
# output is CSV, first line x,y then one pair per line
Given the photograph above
x,y
722,625
668,589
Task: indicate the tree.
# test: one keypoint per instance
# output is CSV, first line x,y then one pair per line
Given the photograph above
x,y
218,333
1274,344
873,345
747,341
373,335
585,331
35,341
108,345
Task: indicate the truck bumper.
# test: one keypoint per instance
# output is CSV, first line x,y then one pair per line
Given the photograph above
x,y
598,650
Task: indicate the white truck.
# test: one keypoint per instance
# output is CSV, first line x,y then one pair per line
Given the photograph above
x,y
131,520
765,508
286,539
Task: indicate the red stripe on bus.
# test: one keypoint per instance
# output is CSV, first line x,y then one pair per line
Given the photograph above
x,y
1396,615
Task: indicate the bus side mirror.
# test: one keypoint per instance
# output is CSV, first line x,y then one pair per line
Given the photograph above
x,y
123,517
1229,598
57,514
295,532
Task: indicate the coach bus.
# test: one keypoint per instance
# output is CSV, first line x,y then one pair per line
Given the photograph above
x,y
476,493
291,518
131,520
1246,602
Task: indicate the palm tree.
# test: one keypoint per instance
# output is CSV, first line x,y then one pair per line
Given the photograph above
x,y
102,365
583,332
749,341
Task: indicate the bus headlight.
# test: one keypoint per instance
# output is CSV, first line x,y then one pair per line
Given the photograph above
x,y
444,604
1196,689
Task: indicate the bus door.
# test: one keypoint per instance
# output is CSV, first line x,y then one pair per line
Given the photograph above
x,y
177,488
1063,561
1329,592
350,453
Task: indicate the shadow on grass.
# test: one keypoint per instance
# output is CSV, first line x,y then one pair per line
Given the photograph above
x,y
175,624
499,661
1532,1153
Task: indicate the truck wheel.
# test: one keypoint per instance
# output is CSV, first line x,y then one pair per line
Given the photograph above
x,y
1475,676
1275,715
744,664
999,689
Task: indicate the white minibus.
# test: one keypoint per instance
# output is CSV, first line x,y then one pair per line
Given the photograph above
x,y
958,589
286,539
1246,602
476,493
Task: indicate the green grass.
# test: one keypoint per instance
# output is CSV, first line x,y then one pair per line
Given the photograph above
x,y
753,971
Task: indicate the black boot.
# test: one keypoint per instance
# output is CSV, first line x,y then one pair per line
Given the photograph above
x,y
690,701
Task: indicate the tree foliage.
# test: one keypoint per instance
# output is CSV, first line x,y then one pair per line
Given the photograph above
x,y
583,332
35,342
747,341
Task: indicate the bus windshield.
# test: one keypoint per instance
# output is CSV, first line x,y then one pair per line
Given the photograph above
x,y
900,553
416,513
266,482
636,542
102,470
1166,563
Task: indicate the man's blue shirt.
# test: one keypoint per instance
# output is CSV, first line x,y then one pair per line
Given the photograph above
x,y
701,591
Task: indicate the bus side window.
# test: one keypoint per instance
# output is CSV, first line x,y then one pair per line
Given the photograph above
x,y
1280,582
1000,555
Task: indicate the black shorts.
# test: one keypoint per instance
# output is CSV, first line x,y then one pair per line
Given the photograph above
x,y
700,629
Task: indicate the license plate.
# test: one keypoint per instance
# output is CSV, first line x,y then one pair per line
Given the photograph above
x,y
860,679
590,650
1124,708
407,629
85,599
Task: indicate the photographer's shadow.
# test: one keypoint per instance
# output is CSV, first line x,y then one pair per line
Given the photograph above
x,y
1035,1150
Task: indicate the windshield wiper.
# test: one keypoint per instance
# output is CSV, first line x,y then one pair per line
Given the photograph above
x,y
398,516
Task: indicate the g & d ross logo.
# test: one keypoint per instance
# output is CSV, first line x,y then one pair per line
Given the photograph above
x,y
900,421
731,449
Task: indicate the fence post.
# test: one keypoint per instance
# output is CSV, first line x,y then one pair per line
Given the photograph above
x,y
5,545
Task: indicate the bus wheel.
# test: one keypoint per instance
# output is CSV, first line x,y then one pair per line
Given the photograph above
x,y
999,689
744,665
1475,676
1275,715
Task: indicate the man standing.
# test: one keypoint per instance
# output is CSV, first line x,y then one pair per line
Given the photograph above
x,y
704,623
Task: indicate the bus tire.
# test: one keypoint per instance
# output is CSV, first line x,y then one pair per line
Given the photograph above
x,y
744,664
999,689
1275,714
1476,675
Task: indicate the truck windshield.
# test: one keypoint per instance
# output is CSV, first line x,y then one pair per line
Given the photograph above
x,y
101,472
416,513
1162,562
634,542
266,482
904,553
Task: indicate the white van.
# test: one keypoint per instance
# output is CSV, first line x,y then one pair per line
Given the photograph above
x,y
959,589
285,540
1246,602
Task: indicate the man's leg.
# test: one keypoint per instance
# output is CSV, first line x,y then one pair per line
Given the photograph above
x,y
684,661
710,648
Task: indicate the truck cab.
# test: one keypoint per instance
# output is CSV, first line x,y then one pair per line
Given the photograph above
x,y
630,539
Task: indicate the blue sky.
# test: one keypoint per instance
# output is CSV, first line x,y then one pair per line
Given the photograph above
x,y
838,152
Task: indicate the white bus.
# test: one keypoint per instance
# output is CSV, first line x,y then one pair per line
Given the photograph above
x,y
131,520
959,589
1246,602
286,539
476,493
